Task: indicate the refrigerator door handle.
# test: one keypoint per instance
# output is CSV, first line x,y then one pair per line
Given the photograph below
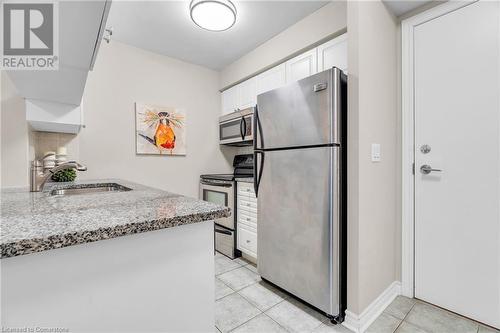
x,y
257,130
257,171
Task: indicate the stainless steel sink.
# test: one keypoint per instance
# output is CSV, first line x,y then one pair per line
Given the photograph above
x,y
89,189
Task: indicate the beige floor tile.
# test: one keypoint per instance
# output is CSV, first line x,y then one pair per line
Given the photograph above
x,y
295,316
221,289
409,328
252,267
224,264
239,278
400,307
435,320
232,311
484,329
328,327
260,324
384,324
262,295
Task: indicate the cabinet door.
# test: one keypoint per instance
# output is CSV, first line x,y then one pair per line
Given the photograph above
x,y
247,241
271,79
229,100
333,53
246,94
302,66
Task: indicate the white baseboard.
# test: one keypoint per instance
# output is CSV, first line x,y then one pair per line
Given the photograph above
x,y
359,323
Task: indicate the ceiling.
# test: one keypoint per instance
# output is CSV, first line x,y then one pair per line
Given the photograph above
x,y
400,7
165,27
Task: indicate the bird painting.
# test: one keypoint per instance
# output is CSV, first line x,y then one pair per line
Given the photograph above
x,y
158,130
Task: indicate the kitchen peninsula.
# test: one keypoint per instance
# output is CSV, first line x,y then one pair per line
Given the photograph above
x,y
107,255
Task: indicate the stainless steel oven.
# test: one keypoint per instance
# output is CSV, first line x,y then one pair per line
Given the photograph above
x,y
221,192
220,189
235,129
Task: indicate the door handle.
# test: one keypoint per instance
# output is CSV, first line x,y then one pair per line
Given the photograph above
x,y
257,170
257,129
427,169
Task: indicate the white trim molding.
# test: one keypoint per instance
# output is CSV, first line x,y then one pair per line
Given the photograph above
x,y
359,323
408,136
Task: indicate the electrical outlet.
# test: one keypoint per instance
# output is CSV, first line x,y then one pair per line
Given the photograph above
x,y
375,152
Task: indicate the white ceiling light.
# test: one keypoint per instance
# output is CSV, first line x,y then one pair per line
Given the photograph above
x,y
213,15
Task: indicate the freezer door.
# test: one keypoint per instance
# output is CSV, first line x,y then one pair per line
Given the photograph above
x,y
300,114
298,224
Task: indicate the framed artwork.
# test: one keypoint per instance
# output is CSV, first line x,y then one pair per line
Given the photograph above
x,y
160,130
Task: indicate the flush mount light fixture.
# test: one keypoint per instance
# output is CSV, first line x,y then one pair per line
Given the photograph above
x,y
213,15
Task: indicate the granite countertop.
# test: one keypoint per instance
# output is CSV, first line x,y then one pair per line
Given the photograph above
x,y
36,221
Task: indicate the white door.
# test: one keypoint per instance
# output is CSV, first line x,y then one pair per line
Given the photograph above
x,y
303,65
333,53
271,79
457,115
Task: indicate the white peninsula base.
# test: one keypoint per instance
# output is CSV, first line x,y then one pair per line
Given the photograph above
x,y
161,281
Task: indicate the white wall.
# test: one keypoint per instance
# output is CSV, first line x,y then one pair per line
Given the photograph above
x,y
123,75
374,259
14,136
326,22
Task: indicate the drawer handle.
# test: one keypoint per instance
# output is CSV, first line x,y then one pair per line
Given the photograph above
x,y
248,219
248,241
248,204
248,190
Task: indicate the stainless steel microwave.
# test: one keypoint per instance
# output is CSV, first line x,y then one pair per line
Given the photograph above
x,y
236,129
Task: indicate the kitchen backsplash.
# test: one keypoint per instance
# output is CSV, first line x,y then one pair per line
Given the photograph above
x,y
41,142
245,150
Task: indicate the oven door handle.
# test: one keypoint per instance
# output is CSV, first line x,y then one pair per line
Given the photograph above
x,y
222,231
215,184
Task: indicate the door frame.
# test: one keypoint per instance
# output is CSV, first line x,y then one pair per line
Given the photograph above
x,y
408,139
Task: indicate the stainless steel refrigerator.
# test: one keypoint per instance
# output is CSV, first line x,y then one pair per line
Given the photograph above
x,y
300,158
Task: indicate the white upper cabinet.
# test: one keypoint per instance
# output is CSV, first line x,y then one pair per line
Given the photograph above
x,y
247,96
333,53
327,55
271,79
304,65
81,25
239,97
229,100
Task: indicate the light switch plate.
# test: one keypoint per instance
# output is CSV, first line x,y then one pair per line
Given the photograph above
x,y
375,152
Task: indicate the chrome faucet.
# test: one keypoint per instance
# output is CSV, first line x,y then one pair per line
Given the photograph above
x,y
39,178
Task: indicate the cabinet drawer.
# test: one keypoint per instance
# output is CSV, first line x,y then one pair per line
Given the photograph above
x,y
248,226
247,217
246,190
247,208
249,202
247,241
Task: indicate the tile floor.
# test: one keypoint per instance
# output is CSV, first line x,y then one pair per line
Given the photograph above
x,y
245,303
406,315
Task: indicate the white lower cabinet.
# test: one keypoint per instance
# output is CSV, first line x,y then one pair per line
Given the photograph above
x,y
246,219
